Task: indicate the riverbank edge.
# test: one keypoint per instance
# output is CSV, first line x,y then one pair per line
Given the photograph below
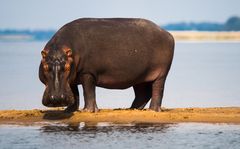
x,y
201,36
205,36
177,115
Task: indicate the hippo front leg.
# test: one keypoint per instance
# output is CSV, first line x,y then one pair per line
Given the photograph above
x,y
89,85
74,107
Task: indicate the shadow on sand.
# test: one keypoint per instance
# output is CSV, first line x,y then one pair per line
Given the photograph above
x,y
56,115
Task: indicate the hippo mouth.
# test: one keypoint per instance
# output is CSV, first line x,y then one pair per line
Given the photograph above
x,y
57,102
64,100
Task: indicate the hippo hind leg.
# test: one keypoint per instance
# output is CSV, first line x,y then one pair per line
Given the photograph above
x,y
143,93
157,93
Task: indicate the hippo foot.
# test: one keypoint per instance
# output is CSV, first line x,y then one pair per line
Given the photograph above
x,y
155,108
71,109
92,110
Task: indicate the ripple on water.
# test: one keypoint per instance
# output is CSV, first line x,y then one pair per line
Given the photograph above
x,y
109,135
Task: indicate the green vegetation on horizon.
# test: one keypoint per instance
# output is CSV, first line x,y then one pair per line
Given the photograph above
x,y
232,24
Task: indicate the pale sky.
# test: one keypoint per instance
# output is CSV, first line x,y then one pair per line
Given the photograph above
x,y
52,14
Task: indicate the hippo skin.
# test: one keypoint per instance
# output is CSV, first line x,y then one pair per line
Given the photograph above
x,y
113,53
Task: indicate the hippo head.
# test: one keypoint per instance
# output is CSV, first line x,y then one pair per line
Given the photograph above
x,y
54,72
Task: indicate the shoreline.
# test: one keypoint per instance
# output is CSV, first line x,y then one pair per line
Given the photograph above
x,y
196,36
206,36
229,115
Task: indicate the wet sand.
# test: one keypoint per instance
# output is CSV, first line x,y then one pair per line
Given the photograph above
x,y
206,115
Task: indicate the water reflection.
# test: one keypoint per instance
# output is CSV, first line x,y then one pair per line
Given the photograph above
x,y
118,136
94,128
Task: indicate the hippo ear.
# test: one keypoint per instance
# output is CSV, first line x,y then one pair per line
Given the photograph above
x,y
44,53
68,51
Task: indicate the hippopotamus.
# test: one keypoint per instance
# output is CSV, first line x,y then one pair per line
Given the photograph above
x,y
113,53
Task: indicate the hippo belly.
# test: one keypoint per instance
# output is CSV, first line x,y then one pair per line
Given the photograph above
x,y
125,79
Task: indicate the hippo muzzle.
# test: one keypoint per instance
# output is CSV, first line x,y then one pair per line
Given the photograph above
x,y
57,99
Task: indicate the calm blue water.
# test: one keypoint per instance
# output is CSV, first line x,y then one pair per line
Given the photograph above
x,y
108,136
204,74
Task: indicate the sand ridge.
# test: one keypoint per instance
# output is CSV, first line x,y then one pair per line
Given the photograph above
x,y
205,36
206,115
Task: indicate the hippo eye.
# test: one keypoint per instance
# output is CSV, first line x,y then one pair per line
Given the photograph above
x,y
44,54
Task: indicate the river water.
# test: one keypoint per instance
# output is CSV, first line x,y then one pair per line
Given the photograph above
x,y
203,74
108,136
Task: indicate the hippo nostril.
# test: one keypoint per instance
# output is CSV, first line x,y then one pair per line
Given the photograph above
x,y
62,96
52,97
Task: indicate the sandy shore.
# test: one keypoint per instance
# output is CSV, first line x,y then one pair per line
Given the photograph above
x,y
205,36
206,115
178,36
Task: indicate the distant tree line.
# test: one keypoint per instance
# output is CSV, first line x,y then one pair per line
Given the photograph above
x,y
232,24
36,34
